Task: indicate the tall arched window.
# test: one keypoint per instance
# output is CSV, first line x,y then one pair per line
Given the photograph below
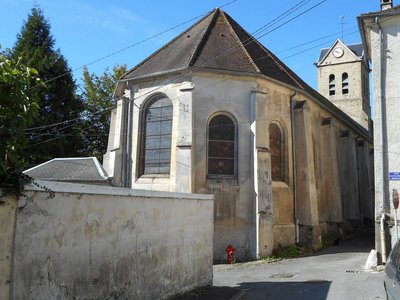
x,y
345,83
155,152
277,148
332,86
221,145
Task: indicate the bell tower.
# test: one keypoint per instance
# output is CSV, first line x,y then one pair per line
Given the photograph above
x,y
386,4
343,78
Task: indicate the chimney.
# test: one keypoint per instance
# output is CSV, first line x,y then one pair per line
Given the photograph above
x,y
386,4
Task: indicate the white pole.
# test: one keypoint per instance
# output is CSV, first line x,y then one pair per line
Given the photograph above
x,y
395,224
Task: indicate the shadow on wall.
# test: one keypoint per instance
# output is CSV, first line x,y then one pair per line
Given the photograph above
x,y
296,290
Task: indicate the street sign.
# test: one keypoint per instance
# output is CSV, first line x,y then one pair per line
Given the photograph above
x,y
394,175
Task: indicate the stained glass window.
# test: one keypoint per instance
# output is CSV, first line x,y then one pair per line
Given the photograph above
x,y
155,154
276,144
221,146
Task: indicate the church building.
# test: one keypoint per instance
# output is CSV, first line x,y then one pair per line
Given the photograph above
x,y
213,111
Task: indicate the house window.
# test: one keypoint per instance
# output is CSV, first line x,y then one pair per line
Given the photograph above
x,y
331,85
221,145
345,83
277,148
155,154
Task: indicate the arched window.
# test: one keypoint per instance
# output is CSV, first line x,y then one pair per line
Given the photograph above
x,y
345,83
155,152
332,85
221,145
277,148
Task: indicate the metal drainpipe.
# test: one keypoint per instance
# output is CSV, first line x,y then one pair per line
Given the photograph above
x,y
358,183
294,168
382,123
128,162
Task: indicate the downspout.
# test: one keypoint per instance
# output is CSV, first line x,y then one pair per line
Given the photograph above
x,y
383,239
358,183
128,160
296,220
381,85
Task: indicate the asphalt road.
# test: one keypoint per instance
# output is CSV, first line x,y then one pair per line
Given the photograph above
x,y
335,273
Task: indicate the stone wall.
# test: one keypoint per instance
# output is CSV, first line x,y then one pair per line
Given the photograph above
x,y
91,242
8,206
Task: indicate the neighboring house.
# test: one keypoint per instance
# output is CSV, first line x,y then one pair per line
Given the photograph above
x,y
380,34
343,78
214,111
79,170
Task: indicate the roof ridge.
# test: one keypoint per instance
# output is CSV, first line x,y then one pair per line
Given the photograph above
x,y
275,59
229,19
168,44
279,63
200,45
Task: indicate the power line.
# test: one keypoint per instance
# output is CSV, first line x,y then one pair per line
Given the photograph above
x,y
128,47
246,42
319,45
315,40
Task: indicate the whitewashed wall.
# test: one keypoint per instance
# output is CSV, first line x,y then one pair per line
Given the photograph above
x,y
8,206
91,242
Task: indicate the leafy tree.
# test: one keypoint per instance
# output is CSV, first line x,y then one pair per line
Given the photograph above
x,y
18,110
98,98
58,101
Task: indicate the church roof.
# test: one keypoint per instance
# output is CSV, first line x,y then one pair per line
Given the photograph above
x,y
216,42
357,49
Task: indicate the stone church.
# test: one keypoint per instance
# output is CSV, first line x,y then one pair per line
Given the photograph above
x,y
213,111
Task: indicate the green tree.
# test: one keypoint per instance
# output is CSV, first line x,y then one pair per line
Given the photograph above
x,y
98,98
18,110
58,100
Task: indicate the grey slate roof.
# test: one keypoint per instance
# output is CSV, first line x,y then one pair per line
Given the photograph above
x,y
79,169
215,42
357,49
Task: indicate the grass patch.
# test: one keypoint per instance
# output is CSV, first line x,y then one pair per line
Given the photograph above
x,y
285,252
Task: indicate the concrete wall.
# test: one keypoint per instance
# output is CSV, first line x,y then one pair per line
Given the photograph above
x,y
386,91
8,205
101,243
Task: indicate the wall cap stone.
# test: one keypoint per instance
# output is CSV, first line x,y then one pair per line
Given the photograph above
x,y
76,188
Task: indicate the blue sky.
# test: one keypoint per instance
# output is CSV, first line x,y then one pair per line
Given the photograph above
x,y
85,31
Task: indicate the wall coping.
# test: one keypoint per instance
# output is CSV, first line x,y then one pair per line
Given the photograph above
x,y
78,188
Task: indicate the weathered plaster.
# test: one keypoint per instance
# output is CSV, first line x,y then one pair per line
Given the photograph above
x,y
8,206
99,243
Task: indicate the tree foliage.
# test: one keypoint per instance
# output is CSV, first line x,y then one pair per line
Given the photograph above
x,y
58,101
18,110
98,98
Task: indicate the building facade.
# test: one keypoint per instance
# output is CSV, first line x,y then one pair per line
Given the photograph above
x,y
215,112
380,33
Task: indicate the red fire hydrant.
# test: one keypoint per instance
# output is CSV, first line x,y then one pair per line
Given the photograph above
x,y
230,254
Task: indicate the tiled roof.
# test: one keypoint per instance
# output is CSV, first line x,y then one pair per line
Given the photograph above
x,y
69,169
357,49
215,42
